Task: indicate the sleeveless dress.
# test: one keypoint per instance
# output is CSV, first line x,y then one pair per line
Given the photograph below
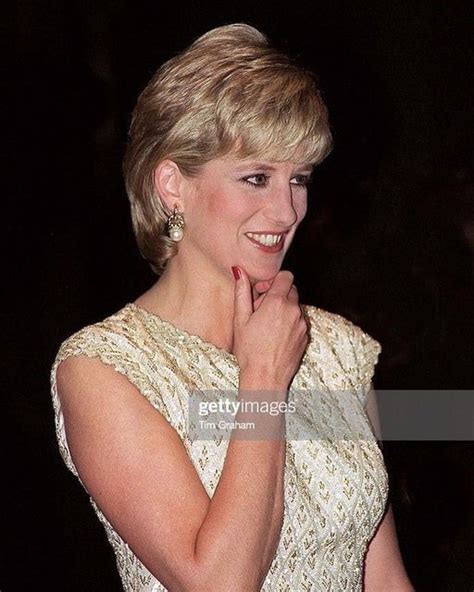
x,y
336,483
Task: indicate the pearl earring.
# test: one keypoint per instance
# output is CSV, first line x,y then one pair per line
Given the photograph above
x,y
176,225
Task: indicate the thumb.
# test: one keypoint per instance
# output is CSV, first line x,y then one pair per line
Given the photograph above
x,y
258,301
242,297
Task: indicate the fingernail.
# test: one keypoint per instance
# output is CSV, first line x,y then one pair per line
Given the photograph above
x,y
236,272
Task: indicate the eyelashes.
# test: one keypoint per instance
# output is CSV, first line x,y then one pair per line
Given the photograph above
x,y
262,180
257,180
303,180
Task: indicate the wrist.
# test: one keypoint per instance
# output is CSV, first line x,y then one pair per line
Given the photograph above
x,y
253,379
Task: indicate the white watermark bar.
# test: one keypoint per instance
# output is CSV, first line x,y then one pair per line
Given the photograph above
x,y
426,414
246,415
405,415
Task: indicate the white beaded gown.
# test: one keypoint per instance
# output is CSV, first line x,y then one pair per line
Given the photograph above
x,y
336,483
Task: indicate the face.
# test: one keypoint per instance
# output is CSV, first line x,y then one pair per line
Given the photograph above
x,y
244,212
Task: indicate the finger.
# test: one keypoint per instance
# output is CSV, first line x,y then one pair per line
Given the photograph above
x,y
263,286
242,299
258,301
293,295
282,283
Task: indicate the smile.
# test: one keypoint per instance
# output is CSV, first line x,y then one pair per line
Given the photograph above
x,y
268,240
268,243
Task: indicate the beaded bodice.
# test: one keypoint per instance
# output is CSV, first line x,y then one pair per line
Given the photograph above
x,y
336,483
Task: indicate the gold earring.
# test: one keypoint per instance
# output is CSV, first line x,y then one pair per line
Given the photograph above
x,y
176,225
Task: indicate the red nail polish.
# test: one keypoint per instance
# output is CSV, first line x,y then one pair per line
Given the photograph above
x,y
236,272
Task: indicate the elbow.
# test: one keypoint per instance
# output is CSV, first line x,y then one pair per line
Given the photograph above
x,y
216,571
223,572
391,585
215,584
225,582
405,586
217,579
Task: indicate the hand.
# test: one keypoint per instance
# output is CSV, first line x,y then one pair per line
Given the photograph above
x,y
270,333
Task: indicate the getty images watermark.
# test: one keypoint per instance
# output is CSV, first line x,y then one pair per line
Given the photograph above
x,y
242,414
404,415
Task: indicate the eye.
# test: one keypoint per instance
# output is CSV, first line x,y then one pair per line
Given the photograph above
x,y
301,180
257,180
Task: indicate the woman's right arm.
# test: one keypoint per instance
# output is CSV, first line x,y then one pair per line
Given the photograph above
x,y
135,466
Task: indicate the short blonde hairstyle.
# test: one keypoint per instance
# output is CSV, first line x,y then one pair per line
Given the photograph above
x,y
229,93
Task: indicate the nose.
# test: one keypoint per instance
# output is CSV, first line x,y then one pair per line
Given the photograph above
x,y
281,209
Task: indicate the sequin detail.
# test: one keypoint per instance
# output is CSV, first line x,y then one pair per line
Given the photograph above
x,y
335,488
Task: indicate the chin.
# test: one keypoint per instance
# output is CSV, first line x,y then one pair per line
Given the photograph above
x,y
267,277
257,272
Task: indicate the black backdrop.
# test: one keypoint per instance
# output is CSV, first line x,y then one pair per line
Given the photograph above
x,y
388,241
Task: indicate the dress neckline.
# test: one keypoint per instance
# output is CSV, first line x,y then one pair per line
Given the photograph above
x,y
190,337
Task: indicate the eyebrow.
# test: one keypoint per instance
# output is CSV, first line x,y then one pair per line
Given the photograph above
x,y
264,166
261,166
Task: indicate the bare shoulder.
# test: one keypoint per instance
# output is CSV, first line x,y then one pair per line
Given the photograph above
x,y
110,355
87,380
100,404
132,462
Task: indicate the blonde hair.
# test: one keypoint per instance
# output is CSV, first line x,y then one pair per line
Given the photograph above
x,y
229,92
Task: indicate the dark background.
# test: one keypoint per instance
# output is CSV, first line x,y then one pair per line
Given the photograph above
x,y
388,241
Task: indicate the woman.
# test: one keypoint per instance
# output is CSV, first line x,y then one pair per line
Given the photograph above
x,y
222,143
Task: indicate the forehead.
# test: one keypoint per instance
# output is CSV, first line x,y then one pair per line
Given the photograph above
x,y
258,164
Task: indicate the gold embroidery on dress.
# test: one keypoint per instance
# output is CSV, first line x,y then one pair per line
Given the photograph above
x,y
336,484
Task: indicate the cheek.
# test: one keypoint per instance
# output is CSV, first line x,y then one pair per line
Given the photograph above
x,y
214,204
301,209
231,208
208,210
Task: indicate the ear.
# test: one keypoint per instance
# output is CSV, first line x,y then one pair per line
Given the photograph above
x,y
168,181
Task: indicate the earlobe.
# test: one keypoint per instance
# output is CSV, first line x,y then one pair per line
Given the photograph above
x,y
168,182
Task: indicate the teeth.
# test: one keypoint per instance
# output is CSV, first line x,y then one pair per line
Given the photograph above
x,y
266,239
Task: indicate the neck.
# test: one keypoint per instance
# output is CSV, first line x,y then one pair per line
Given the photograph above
x,y
197,299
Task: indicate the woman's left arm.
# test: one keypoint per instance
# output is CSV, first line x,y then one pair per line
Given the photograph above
x,y
384,569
